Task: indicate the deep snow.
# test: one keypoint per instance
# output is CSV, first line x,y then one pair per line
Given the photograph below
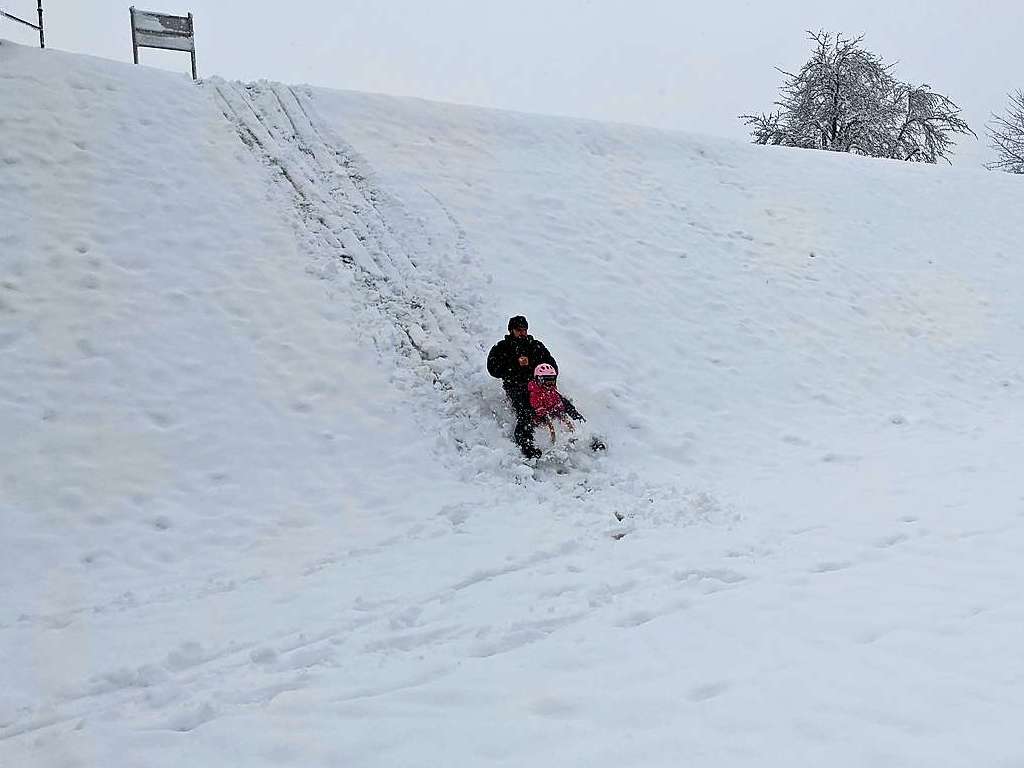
x,y
257,498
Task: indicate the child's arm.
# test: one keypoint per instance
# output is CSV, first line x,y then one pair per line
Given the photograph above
x,y
570,409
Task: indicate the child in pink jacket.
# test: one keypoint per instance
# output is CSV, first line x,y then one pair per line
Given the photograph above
x,y
547,402
544,396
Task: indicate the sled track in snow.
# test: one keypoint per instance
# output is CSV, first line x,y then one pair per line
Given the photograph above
x,y
342,215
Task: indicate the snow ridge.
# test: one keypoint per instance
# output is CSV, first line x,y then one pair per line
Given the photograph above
x,y
232,527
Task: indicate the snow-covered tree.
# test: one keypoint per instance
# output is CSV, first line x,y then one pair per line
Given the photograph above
x,y
1007,136
924,125
846,99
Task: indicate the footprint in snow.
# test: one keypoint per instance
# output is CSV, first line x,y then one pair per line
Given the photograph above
x,y
191,719
830,566
708,691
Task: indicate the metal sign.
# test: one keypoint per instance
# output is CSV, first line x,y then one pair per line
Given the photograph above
x,y
162,30
39,27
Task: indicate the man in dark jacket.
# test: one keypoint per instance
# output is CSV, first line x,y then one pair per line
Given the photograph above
x,y
512,360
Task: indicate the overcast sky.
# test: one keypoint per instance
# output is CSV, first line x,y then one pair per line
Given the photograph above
x,y
665,63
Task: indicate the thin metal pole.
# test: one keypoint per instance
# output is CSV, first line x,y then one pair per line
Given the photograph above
x,y
192,31
135,47
39,9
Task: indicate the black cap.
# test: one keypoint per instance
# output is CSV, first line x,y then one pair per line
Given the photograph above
x,y
517,322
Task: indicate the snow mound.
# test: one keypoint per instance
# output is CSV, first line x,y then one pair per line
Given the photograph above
x,y
258,496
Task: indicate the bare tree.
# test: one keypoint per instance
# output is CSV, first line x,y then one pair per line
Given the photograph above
x,y
1007,135
925,124
846,99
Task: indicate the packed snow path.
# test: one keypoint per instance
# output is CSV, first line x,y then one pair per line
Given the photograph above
x,y
410,293
257,509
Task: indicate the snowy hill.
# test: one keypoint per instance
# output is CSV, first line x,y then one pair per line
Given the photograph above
x,y
258,498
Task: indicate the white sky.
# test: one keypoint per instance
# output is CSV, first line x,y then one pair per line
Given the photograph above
x,y
665,63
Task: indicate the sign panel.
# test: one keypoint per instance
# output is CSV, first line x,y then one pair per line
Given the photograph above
x,y
146,40
160,30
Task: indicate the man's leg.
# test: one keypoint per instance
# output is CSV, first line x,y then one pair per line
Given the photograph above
x,y
523,437
523,434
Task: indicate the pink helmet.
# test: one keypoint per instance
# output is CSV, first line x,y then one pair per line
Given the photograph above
x,y
544,369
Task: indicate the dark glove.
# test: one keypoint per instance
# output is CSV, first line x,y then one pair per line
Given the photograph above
x,y
570,409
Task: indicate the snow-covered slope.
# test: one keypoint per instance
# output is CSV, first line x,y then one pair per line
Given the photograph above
x,y
257,498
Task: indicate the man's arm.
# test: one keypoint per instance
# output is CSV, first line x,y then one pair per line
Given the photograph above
x,y
497,361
